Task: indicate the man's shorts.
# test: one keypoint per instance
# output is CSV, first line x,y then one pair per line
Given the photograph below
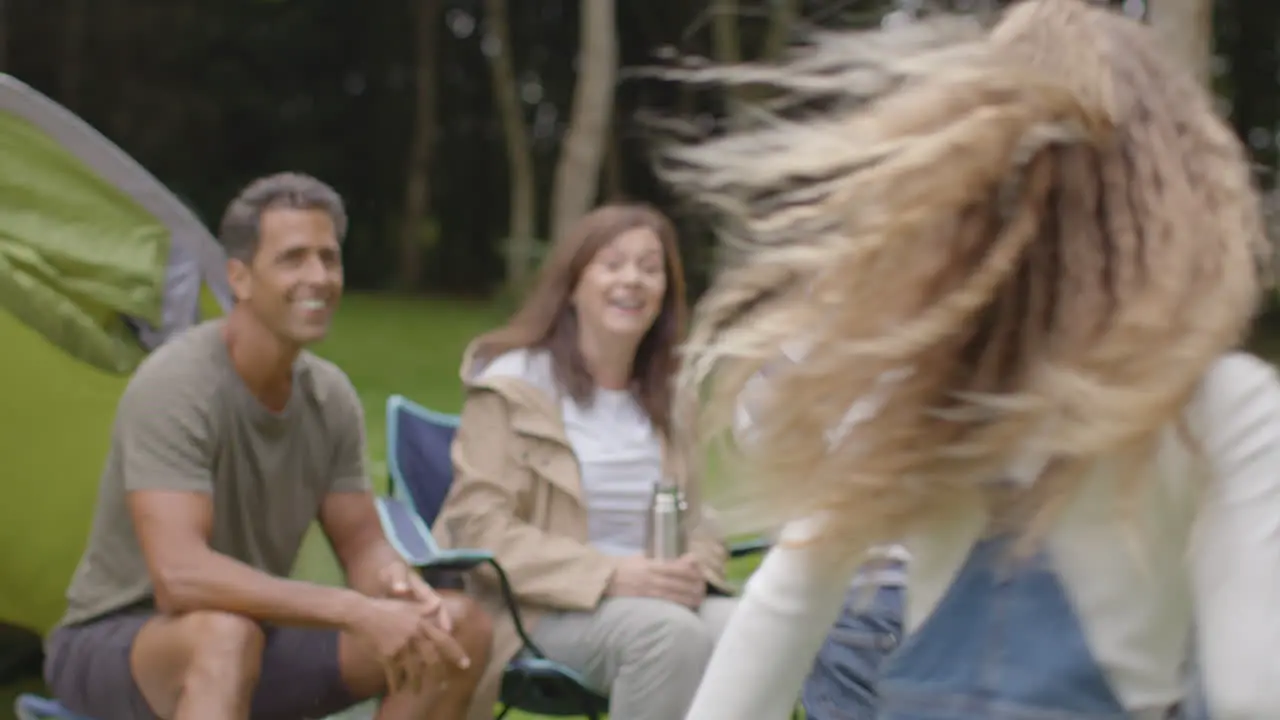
x,y
87,667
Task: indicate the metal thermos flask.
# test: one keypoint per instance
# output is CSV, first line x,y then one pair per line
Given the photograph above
x,y
666,531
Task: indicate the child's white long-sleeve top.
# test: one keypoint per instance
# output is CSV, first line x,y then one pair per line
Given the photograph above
x,y
1203,552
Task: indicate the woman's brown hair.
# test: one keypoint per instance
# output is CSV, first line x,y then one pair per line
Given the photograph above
x,y
547,319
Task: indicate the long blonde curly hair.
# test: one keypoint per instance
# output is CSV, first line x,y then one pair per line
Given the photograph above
x,y
1044,223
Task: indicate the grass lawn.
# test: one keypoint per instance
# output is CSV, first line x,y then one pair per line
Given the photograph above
x,y
387,346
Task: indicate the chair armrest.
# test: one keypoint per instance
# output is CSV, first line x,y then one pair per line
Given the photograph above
x,y
407,532
754,546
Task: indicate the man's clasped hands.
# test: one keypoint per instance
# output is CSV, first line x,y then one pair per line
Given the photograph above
x,y
409,629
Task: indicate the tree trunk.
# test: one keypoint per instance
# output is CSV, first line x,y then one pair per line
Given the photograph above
x,y
4,35
615,182
71,68
781,20
726,44
523,213
726,47
577,180
417,194
117,21
1187,27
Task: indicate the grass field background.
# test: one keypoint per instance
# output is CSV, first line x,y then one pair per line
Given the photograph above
x,y
386,345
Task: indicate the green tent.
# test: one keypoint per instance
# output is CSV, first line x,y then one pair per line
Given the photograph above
x,y
99,264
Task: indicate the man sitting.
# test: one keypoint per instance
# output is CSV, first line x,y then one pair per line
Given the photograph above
x,y
228,442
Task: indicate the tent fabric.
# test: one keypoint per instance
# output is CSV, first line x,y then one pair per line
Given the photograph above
x,y
99,264
95,253
55,431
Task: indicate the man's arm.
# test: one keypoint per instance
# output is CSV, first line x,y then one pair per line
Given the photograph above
x,y
166,443
173,529
350,521
347,514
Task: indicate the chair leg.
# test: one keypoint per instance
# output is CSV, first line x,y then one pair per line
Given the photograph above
x,y
502,713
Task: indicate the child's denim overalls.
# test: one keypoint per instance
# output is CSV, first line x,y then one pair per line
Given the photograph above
x,y
1004,643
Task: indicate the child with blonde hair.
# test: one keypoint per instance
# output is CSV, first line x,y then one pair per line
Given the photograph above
x,y
1038,248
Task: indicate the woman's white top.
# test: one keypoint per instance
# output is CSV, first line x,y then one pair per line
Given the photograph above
x,y
619,454
1203,551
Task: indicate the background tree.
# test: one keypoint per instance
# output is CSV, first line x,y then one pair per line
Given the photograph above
x,y
577,179
207,95
520,247
4,34
418,229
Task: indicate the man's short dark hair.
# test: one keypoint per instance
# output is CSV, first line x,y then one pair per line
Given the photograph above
x,y
242,222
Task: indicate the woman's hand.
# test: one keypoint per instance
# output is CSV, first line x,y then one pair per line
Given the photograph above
x,y
679,581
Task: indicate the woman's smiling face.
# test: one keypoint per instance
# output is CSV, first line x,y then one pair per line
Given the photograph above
x,y
620,292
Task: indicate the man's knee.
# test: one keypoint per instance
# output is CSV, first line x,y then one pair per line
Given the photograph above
x,y
472,626
222,643
200,652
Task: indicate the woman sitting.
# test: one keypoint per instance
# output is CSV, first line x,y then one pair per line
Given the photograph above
x,y
565,432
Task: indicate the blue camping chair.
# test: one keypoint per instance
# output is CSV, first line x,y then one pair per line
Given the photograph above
x,y
421,469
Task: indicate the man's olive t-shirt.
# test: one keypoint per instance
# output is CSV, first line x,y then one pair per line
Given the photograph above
x,y
187,422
